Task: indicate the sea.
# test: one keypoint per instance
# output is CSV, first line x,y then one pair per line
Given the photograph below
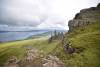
x,y
17,35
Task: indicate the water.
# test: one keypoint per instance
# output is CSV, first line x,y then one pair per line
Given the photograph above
x,y
12,36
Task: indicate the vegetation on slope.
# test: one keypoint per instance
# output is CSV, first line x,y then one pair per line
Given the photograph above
x,y
87,37
19,48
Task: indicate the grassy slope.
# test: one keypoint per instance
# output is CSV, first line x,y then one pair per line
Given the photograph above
x,y
87,37
19,48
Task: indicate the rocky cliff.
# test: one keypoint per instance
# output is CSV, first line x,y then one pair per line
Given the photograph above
x,y
85,17
81,46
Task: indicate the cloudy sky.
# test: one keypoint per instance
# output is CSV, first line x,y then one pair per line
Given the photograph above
x,y
40,14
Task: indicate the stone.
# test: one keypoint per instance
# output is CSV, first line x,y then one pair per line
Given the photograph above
x,y
52,61
12,62
98,5
71,50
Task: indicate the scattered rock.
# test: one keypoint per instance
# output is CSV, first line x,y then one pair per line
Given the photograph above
x,y
32,59
52,61
31,54
12,62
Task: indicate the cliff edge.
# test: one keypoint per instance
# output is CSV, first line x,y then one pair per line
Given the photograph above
x,y
85,17
84,38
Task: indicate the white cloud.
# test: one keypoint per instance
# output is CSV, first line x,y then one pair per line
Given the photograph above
x,y
41,13
16,28
54,23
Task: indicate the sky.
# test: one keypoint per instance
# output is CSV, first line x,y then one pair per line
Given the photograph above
x,y
40,14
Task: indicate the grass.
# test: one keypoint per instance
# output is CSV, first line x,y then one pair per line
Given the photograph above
x,y
87,37
18,48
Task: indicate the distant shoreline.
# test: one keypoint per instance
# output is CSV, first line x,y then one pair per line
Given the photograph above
x,y
25,39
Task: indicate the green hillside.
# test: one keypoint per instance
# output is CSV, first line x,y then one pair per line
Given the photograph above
x,y
19,48
85,37
89,39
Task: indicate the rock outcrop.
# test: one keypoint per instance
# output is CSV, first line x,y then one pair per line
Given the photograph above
x,y
85,17
33,59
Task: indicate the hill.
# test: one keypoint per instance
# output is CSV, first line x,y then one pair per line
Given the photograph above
x,y
80,47
84,36
19,48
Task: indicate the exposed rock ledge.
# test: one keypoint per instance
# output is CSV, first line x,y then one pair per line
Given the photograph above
x,y
85,17
77,23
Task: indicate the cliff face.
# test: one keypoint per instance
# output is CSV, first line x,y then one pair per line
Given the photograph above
x,y
85,17
83,41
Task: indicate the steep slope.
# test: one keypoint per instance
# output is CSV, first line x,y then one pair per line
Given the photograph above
x,y
84,32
